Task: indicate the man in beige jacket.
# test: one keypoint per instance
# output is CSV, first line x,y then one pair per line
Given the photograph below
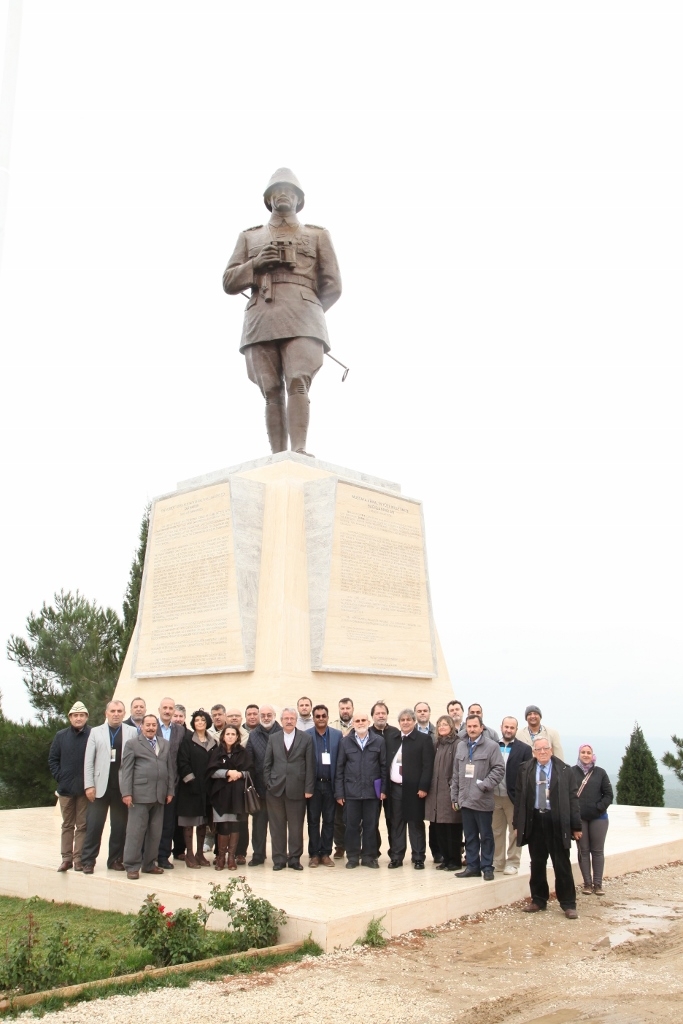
x,y
533,728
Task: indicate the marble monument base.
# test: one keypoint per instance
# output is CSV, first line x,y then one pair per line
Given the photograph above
x,y
281,578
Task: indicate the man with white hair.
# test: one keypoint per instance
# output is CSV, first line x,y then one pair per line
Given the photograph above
x,y
258,742
547,817
289,775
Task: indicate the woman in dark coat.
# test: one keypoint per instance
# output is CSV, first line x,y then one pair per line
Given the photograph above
x,y
228,762
193,792
438,806
595,796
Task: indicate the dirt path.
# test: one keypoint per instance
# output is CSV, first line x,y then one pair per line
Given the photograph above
x,y
620,963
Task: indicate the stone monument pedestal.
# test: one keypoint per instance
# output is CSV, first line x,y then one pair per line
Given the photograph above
x,y
281,578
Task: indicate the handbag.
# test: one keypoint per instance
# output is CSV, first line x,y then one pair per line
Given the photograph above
x,y
252,800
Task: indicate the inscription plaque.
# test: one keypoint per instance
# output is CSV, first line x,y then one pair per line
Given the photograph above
x,y
190,616
378,614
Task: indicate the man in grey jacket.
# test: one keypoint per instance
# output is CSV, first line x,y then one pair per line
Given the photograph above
x,y
477,769
289,775
101,780
146,788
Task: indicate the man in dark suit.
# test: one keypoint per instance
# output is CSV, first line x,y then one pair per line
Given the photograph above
x,y
547,817
515,752
289,775
379,713
146,787
173,733
322,804
410,760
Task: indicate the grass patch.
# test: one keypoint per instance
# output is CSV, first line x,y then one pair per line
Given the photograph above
x,y
373,933
246,965
80,944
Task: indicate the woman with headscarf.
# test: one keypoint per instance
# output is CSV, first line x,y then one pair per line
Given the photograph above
x,y
225,774
193,790
595,796
438,806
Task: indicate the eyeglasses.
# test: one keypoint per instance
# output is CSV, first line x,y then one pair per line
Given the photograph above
x,y
320,716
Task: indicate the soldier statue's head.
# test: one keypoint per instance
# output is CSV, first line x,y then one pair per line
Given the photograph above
x,y
286,181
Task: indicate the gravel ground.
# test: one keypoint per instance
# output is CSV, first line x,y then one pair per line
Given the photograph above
x,y
620,963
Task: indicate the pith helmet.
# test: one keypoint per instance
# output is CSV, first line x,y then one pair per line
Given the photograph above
x,y
283,176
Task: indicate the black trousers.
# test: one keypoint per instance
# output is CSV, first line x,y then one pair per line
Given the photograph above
x,y
543,843
361,829
243,844
416,830
386,804
449,838
433,839
96,817
321,805
259,831
339,826
168,830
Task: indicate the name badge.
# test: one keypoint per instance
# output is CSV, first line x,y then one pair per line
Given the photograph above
x,y
326,757
469,770
113,754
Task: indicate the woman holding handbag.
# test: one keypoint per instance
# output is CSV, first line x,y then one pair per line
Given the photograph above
x,y
228,763
193,797
595,796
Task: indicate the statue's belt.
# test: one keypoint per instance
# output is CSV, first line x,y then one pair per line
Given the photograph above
x,y
281,277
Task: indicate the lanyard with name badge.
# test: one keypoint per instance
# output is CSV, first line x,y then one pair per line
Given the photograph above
x,y
112,756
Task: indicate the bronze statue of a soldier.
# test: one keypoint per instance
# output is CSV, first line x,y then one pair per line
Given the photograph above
x,y
292,271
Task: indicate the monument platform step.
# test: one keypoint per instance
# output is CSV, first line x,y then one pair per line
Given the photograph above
x,y
334,906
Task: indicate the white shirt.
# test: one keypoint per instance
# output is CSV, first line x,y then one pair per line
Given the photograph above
x,y
289,738
394,773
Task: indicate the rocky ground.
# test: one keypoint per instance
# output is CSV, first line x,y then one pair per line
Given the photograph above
x,y
620,963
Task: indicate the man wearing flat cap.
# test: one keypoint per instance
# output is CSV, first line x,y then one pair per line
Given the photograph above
x,y
534,728
66,759
292,273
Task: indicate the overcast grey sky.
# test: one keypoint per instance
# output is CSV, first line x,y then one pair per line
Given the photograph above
x,y
502,182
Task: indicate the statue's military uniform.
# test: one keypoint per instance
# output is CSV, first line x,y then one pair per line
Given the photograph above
x,y
284,338
291,301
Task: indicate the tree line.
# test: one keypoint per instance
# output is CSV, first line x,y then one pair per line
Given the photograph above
x,y
73,650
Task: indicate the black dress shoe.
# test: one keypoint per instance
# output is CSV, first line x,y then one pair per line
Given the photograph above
x,y
438,859
488,874
468,873
295,865
370,862
419,865
395,864
352,863
165,864
279,867
442,866
253,863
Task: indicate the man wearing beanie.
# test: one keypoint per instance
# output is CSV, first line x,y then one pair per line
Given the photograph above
x,y
65,759
534,728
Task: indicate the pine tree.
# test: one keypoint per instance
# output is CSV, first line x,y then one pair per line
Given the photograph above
x,y
640,782
675,761
132,599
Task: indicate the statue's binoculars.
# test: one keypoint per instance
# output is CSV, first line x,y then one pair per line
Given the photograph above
x,y
286,253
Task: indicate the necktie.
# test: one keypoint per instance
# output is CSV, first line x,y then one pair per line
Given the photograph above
x,y
543,790
153,743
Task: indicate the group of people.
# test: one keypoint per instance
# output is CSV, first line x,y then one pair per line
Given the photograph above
x,y
177,788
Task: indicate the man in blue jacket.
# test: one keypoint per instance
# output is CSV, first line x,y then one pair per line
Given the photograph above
x,y
66,758
361,784
321,805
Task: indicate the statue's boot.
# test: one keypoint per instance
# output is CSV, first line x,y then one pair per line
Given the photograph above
x,y
298,414
276,423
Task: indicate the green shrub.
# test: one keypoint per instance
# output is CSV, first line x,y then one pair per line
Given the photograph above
x,y
254,920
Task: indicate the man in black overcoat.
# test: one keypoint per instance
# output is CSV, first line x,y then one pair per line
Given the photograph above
x,y
547,817
410,763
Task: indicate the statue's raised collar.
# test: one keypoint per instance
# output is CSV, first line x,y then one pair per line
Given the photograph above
x,y
277,221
